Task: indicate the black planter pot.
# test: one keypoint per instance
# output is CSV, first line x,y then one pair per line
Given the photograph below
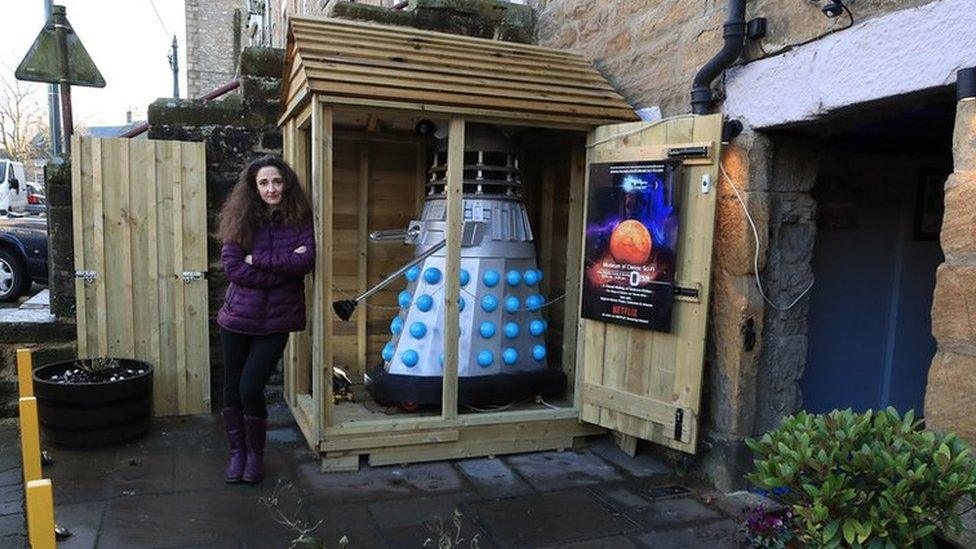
x,y
93,414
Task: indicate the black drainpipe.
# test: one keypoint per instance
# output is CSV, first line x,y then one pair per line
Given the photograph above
x,y
734,35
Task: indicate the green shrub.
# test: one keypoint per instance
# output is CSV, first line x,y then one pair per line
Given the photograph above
x,y
865,480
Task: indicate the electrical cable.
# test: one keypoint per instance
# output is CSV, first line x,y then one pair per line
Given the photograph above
x,y
160,19
849,14
755,260
638,129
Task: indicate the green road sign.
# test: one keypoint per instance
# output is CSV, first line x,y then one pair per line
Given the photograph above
x,y
42,63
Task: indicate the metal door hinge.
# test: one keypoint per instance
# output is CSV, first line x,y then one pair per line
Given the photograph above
x,y
193,276
87,276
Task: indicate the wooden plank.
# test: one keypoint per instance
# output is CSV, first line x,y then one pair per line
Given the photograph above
x,y
637,406
419,423
124,289
196,311
452,268
416,36
78,184
165,390
136,219
322,198
312,45
471,114
113,153
98,245
492,85
363,242
443,452
368,90
179,288
574,264
340,464
336,444
149,188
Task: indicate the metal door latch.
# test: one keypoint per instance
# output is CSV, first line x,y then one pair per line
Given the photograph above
x,y
193,276
87,276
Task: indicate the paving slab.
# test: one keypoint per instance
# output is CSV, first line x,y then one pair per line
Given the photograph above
x,y
351,520
493,478
81,476
716,535
549,471
612,542
641,465
547,519
672,513
620,496
376,483
206,471
413,511
188,518
416,535
83,520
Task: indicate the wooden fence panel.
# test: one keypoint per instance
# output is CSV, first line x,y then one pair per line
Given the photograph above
x,y
140,226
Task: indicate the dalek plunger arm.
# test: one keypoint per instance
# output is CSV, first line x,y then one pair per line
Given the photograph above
x,y
345,308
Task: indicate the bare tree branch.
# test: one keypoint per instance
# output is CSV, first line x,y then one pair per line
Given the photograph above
x,y
21,119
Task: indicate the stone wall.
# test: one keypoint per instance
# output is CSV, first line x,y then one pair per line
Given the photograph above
x,y
236,129
950,398
214,30
651,51
49,341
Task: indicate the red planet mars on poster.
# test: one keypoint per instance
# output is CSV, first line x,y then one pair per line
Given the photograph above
x,y
631,232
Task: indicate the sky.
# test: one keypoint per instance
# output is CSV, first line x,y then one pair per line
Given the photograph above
x,y
126,41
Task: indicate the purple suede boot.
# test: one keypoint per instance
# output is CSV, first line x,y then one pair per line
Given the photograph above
x,y
255,429
234,425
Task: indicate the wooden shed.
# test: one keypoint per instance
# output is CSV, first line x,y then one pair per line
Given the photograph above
x,y
354,94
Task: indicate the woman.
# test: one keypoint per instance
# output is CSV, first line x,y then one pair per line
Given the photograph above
x,y
268,247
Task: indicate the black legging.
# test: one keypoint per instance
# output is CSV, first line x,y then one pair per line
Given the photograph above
x,y
249,360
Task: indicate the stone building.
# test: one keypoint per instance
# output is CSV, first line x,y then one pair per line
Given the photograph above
x,y
851,130
847,145
218,30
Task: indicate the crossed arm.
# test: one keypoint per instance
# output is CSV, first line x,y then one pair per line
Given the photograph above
x,y
292,263
241,273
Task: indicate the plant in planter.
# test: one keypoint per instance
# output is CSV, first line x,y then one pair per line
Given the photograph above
x,y
865,480
94,401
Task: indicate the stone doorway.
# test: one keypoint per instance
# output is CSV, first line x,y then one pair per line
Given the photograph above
x,y
879,203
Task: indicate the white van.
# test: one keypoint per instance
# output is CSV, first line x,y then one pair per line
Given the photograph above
x,y
13,187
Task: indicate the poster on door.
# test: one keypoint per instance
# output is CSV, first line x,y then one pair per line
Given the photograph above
x,y
631,234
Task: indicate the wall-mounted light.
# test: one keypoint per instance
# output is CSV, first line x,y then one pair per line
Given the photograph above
x,y
731,129
966,84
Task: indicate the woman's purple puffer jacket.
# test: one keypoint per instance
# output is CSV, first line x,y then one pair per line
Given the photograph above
x,y
267,296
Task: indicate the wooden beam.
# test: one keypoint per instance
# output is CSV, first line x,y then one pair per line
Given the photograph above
x,y
362,274
574,263
452,269
322,340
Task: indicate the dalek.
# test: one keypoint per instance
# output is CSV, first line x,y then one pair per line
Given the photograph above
x,y
502,353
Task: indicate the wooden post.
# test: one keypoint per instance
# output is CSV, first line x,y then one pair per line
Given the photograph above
x,y
322,343
574,264
30,439
452,270
40,514
25,373
362,276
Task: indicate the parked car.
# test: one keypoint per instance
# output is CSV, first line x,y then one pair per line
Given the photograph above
x,y
23,254
13,191
36,200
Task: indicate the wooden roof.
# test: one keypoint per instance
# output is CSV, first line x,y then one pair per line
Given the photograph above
x,y
372,64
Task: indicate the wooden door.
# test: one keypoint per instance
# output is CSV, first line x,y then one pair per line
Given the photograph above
x,y
140,240
647,384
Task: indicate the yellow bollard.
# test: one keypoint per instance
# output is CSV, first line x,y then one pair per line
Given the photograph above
x,y
40,514
25,372
30,439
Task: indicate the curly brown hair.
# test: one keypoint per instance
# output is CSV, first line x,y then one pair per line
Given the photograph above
x,y
244,209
